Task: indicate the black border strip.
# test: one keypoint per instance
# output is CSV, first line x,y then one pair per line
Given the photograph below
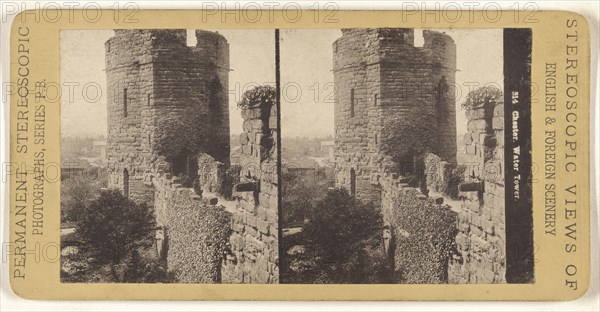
x,y
517,152
279,180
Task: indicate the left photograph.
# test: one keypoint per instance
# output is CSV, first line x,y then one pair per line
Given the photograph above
x,y
169,156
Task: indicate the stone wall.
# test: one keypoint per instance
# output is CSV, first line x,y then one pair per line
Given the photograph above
x,y
212,174
206,240
357,77
129,74
479,255
481,241
437,173
380,74
254,247
421,237
419,228
152,75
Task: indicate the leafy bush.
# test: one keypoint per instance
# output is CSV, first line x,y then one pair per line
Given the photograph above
x,y
482,96
345,235
113,243
423,239
138,267
300,194
113,226
143,269
261,96
409,136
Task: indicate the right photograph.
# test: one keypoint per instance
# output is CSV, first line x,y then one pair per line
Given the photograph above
x,y
403,156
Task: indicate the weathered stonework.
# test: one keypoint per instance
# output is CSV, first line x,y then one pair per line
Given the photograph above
x,y
202,236
212,174
152,74
480,253
380,74
254,242
481,241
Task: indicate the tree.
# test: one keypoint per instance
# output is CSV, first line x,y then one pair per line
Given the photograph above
x,y
300,195
409,136
113,227
78,191
347,235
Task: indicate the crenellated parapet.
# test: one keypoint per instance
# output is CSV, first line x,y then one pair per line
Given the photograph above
x,y
153,75
380,74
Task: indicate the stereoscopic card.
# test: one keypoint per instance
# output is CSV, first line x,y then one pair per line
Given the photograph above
x,y
351,155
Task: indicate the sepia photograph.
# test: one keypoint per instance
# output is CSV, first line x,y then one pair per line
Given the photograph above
x,y
395,173
169,157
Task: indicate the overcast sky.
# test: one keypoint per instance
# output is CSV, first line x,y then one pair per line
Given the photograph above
x,y
306,76
252,60
306,63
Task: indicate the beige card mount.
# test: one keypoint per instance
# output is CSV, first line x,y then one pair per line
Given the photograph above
x,y
353,155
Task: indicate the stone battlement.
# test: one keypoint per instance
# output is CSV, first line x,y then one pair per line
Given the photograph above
x,y
152,75
380,75
481,240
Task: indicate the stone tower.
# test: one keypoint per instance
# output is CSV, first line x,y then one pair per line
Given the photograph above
x,y
152,74
381,74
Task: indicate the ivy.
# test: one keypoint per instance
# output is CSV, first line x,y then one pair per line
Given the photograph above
x,y
197,235
412,135
178,135
423,239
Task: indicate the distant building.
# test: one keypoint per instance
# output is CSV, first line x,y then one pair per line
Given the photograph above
x,y
71,168
300,166
99,147
327,148
82,166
